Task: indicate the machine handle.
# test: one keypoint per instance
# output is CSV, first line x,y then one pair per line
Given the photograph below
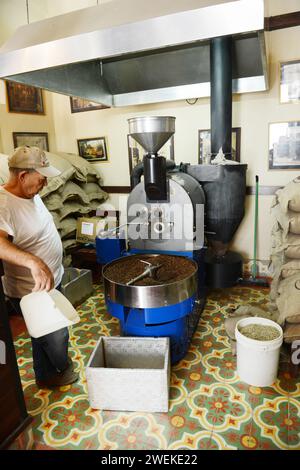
x,y
104,233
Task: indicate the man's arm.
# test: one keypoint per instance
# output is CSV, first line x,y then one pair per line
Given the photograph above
x,y
40,272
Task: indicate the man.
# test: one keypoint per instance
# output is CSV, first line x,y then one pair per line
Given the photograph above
x,y
31,250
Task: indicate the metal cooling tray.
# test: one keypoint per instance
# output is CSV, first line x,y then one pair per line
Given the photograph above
x,y
149,296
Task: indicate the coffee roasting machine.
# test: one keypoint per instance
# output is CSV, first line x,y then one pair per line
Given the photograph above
x,y
162,224
166,224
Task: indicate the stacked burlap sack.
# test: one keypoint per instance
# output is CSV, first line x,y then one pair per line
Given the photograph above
x,y
285,259
74,193
284,304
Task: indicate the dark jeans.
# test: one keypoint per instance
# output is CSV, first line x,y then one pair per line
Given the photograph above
x,y
49,352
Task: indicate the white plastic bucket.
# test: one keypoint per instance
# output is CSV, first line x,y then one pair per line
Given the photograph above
x,y
257,361
46,312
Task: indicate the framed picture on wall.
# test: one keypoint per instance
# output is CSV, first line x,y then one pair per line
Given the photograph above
x,y
24,98
284,145
93,149
33,139
290,82
79,105
204,145
136,151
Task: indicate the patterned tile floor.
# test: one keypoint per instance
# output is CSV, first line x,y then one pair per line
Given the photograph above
x,y
209,407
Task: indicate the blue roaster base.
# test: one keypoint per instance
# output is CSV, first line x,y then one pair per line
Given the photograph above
x,y
178,321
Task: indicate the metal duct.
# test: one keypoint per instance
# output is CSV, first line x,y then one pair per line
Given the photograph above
x,y
119,53
221,95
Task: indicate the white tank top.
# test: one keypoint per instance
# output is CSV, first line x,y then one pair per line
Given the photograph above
x,y
33,230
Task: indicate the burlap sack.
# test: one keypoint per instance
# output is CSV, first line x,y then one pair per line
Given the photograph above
x,y
291,240
290,268
93,179
276,262
56,219
276,238
53,185
291,333
294,222
249,311
287,221
280,244
275,267
230,324
94,204
273,294
94,192
67,172
233,347
68,227
293,319
72,191
289,196
73,208
4,172
82,167
53,202
273,310
292,252
66,168
288,300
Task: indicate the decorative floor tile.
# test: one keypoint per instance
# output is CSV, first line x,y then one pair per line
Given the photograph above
x,y
218,407
132,431
209,408
279,419
69,421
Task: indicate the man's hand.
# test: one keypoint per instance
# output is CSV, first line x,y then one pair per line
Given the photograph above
x,y
42,275
40,272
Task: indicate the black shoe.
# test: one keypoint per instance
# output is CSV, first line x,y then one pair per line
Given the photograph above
x,y
62,378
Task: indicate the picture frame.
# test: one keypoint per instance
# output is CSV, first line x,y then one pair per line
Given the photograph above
x,y
93,149
24,98
284,145
290,82
136,152
33,139
204,145
78,105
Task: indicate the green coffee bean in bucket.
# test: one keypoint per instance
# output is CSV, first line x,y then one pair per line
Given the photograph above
x,y
259,332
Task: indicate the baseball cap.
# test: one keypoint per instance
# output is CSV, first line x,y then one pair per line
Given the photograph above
x,y
27,158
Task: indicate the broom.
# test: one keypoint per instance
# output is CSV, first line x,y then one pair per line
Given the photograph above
x,y
253,279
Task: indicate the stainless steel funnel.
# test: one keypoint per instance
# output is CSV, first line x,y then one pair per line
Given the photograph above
x,y
152,132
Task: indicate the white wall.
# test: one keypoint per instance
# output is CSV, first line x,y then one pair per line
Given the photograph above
x,y
251,112
19,122
112,123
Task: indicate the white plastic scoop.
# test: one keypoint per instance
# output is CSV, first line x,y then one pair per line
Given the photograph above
x,y
46,312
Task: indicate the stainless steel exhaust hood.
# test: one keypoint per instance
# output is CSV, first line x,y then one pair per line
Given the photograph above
x,y
122,53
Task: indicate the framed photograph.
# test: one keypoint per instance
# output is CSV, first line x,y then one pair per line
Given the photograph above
x,y
204,145
284,145
79,105
93,149
290,82
136,151
33,139
24,98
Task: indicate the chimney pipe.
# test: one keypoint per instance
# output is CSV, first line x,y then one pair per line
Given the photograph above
x,y
221,95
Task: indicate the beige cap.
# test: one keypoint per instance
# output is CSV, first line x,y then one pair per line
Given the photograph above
x,y
26,158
